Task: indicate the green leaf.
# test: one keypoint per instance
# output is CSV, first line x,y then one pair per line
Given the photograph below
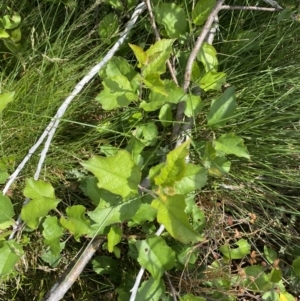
x,y
119,66
117,174
151,290
296,266
76,222
36,209
53,259
190,297
171,214
222,108
157,100
175,166
212,80
147,133
7,209
108,27
154,83
140,55
155,256
285,296
6,98
52,233
231,144
3,34
202,10
36,189
195,178
257,280
270,254
196,214
157,54
214,161
165,115
10,253
208,57
117,92
117,4
116,213
193,105
236,253
135,147
275,276
3,176
11,22
172,17
104,265
145,212
284,14
114,236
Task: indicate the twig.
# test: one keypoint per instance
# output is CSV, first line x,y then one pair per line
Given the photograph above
x,y
171,286
142,270
68,277
271,9
273,3
52,126
187,76
157,35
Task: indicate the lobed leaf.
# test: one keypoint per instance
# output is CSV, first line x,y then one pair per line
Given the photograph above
x,y
117,174
231,144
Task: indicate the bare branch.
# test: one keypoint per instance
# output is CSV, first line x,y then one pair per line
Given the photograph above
x,y
69,276
270,9
157,35
187,76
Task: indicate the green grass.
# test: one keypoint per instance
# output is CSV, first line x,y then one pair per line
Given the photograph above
x,y
265,71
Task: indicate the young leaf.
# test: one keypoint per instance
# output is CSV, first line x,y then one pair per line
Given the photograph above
x,y
117,213
117,174
135,147
114,236
10,253
155,256
202,10
195,178
11,22
154,83
5,98
175,166
222,108
172,17
151,290
236,253
52,233
157,54
117,92
171,214
231,144
208,57
76,223
7,209
3,34
140,55
212,80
